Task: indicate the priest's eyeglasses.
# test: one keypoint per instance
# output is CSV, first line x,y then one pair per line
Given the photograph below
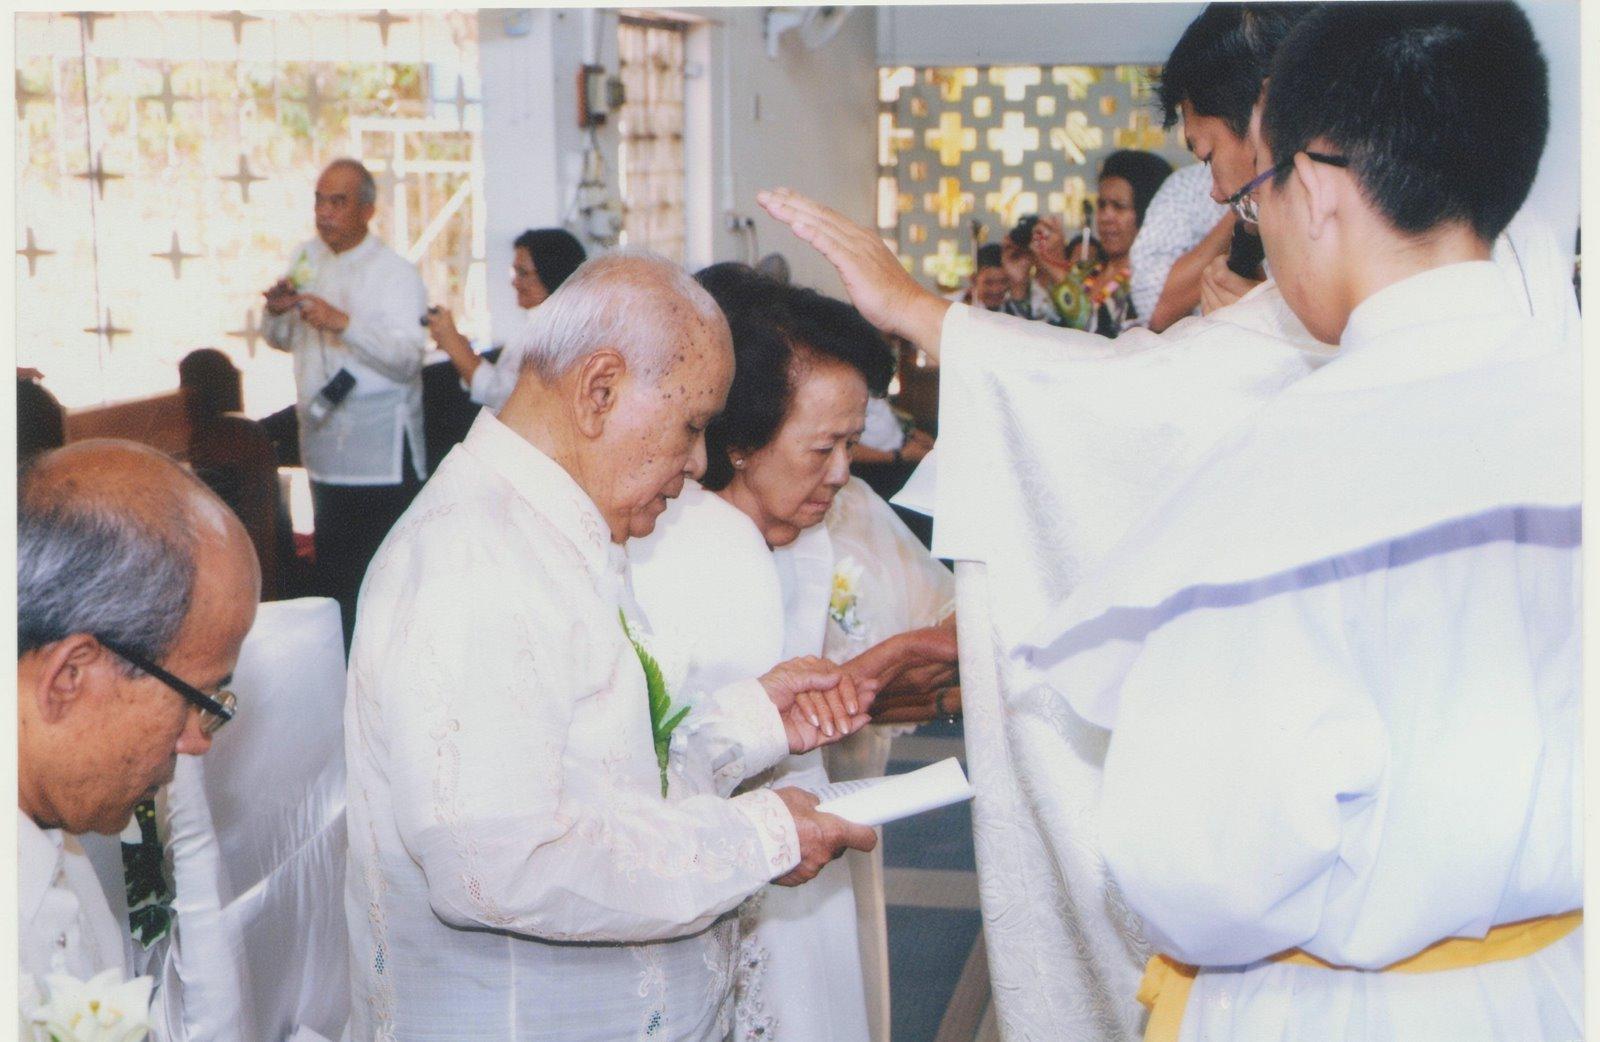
x,y
214,712
1243,201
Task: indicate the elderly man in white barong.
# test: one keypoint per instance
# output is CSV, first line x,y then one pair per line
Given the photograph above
x,y
542,846
1334,666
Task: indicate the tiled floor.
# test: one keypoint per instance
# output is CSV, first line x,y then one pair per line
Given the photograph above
x,y
938,979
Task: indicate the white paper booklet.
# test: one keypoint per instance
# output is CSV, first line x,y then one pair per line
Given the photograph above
x,y
878,801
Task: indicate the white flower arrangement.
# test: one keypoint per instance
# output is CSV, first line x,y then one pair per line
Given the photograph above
x,y
842,602
105,1008
302,273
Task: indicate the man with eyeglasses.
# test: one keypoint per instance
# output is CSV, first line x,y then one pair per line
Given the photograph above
x,y
136,586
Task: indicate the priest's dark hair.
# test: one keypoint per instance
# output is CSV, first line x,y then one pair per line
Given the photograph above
x,y
1221,59
779,333
1442,108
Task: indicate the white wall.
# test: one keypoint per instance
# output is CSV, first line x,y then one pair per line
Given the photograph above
x,y
1555,191
1024,34
806,119
521,183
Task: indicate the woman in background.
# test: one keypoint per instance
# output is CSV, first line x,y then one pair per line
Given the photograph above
x,y
1090,278
542,258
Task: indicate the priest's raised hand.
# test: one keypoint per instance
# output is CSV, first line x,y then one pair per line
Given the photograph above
x,y
879,287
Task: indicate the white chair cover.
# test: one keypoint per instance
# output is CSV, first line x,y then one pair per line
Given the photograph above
x,y
257,840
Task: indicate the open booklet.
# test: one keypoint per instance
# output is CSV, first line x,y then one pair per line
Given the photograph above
x,y
878,801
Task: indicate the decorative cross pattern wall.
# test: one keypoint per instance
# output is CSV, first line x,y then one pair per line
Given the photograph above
x,y
958,145
165,165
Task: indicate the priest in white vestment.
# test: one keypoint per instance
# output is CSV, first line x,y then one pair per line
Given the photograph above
x,y
531,857
136,586
1444,363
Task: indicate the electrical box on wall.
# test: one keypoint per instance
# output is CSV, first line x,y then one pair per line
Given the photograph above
x,y
598,95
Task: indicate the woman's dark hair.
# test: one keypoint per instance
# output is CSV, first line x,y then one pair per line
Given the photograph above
x,y
211,384
554,252
1144,171
779,333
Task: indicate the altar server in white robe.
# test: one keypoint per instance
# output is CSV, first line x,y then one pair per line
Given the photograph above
x,y
1400,530
524,863
744,570
136,587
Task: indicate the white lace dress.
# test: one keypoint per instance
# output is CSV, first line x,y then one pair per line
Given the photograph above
x,y
708,584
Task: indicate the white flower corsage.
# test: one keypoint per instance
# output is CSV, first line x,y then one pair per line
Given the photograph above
x,y
843,600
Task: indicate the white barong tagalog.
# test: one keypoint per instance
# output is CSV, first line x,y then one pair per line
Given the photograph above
x,y
514,870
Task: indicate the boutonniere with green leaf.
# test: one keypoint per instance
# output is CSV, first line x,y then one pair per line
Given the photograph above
x,y
663,720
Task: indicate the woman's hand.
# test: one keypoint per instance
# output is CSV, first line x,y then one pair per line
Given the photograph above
x,y
1050,248
818,702
1219,286
442,327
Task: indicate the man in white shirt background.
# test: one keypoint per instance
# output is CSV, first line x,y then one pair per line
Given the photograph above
x,y
136,586
1210,82
349,309
1182,219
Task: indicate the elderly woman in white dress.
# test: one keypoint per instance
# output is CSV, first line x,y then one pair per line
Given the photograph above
x,y
779,553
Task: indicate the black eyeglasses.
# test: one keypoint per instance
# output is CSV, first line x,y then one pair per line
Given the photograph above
x,y
214,712
1244,201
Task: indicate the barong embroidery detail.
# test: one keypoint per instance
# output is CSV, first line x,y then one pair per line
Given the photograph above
x,y
750,985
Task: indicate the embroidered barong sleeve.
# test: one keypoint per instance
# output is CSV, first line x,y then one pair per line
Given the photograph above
x,y
512,826
384,331
736,733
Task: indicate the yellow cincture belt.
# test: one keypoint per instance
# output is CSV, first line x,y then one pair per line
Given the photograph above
x,y
1165,988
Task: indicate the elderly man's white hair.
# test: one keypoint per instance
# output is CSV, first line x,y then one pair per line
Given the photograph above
x,y
631,301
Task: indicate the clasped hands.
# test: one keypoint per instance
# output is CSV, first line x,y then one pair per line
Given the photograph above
x,y
907,673
903,679
917,674
318,313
